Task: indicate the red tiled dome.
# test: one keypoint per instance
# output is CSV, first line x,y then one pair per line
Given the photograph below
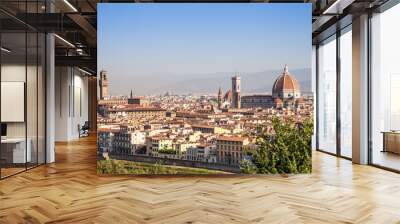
x,y
285,83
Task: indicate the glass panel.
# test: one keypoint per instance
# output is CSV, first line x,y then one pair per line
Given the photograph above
x,y
23,82
314,89
346,92
385,87
41,98
327,95
31,97
13,80
32,89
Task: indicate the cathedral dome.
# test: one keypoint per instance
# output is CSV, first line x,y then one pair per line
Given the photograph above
x,y
286,86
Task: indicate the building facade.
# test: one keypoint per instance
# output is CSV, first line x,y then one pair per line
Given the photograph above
x,y
230,149
156,143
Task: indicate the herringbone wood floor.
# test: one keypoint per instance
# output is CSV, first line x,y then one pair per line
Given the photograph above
x,y
69,191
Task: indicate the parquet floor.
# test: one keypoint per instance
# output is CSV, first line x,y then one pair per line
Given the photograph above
x,y
69,191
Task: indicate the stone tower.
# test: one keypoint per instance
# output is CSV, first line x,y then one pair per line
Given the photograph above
x,y
219,98
236,100
103,84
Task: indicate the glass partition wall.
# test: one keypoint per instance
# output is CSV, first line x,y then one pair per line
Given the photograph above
x,y
345,108
327,95
334,94
385,89
22,98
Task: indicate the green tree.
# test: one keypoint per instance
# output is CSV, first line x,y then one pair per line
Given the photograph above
x,y
287,150
247,167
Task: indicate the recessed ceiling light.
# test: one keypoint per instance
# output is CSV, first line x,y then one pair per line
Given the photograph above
x,y
334,7
84,71
70,5
64,40
5,50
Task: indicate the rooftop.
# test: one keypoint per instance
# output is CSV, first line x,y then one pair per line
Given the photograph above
x,y
232,138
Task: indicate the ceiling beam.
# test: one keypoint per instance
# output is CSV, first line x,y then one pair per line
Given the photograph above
x,y
77,61
86,27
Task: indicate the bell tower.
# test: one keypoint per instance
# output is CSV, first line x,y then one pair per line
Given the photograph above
x,y
103,84
219,98
236,99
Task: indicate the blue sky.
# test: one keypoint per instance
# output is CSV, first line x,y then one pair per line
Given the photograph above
x,y
137,42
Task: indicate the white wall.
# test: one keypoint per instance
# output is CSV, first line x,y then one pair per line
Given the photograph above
x,y
71,102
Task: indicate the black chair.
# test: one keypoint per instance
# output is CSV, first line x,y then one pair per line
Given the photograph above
x,y
84,130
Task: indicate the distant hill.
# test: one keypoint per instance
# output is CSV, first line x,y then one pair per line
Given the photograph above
x,y
252,82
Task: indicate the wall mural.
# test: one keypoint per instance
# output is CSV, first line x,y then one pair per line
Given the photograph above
x,y
204,89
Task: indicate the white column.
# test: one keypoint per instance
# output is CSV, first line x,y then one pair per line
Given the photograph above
x,y
360,90
50,98
63,101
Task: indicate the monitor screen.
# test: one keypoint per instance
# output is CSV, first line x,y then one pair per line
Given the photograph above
x,y
3,129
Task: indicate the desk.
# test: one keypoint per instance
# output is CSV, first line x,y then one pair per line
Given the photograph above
x,y
13,150
391,141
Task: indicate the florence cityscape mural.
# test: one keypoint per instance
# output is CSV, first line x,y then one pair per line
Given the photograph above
x,y
204,89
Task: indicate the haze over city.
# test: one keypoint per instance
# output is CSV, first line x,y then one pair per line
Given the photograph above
x,y
182,48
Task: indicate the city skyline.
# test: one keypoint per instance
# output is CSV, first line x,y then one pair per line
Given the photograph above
x,y
225,86
172,52
253,83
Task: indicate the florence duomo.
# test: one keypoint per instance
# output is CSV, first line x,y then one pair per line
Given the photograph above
x,y
286,93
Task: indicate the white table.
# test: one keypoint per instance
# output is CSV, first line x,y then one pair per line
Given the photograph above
x,y
19,155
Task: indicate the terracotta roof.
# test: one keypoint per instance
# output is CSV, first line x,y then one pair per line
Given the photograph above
x,y
136,108
202,126
300,100
231,138
108,129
